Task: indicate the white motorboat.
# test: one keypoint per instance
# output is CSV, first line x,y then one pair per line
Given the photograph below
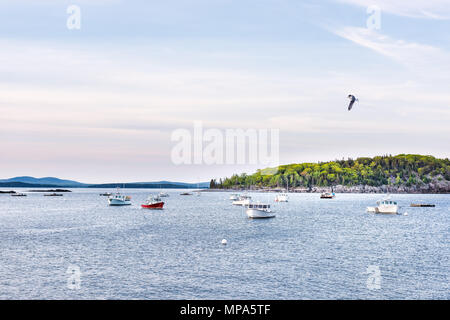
x,y
384,206
234,197
242,200
259,211
163,194
119,200
282,197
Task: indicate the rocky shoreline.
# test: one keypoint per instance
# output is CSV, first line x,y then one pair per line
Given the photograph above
x,y
439,187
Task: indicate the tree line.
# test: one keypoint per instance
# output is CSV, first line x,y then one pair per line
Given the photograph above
x,y
403,169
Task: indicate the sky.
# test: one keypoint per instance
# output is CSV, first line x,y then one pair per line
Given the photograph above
x,y
100,103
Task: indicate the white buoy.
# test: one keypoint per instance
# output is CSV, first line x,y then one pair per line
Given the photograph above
x,y
224,241
405,214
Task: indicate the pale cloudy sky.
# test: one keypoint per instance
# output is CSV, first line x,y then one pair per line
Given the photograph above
x,y
99,104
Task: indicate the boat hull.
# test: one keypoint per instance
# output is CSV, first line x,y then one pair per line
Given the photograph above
x,y
241,202
153,206
383,210
117,202
259,214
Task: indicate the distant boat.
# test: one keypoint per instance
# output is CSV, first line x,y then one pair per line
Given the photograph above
x,y
423,205
197,192
153,203
242,200
163,194
259,211
18,195
282,197
119,200
186,194
234,197
106,194
53,195
384,206
327,195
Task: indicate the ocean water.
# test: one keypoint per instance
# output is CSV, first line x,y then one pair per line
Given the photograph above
x,y
313,249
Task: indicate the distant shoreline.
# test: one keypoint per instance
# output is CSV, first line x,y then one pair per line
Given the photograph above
x,y
100,186
341,189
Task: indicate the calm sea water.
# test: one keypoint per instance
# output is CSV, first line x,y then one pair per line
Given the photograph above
x,y
313,249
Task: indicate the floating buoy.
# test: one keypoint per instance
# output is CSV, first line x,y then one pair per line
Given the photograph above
x,y
224,241
405,214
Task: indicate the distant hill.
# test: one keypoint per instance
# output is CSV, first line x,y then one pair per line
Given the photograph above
x,y
45,181
25,185
403,173
51,182
200,185
151,185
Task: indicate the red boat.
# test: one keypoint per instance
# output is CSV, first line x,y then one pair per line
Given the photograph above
x,y
153,203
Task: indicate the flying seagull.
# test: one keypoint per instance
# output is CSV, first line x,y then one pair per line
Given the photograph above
x,y
352,101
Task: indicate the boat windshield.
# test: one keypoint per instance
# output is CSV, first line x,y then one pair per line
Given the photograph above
x,y
259,206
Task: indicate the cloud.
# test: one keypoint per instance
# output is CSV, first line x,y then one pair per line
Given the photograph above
x,y
429,9
423,59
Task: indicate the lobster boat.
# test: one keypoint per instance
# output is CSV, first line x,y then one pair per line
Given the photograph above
x,y
259,211
153,203
119,200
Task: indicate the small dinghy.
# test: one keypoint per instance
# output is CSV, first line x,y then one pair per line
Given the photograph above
x,y
327,195
423,205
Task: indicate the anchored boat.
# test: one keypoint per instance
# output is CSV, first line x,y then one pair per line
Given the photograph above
x,y
18,195
106,194
259,211
119,200
327,195
423,205
384,206
282,197
242,201
153,203
234,197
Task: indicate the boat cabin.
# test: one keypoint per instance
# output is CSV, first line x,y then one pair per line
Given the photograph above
x,y
258,206
387,203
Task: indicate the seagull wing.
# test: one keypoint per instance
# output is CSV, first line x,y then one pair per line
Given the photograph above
x,y
350,106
